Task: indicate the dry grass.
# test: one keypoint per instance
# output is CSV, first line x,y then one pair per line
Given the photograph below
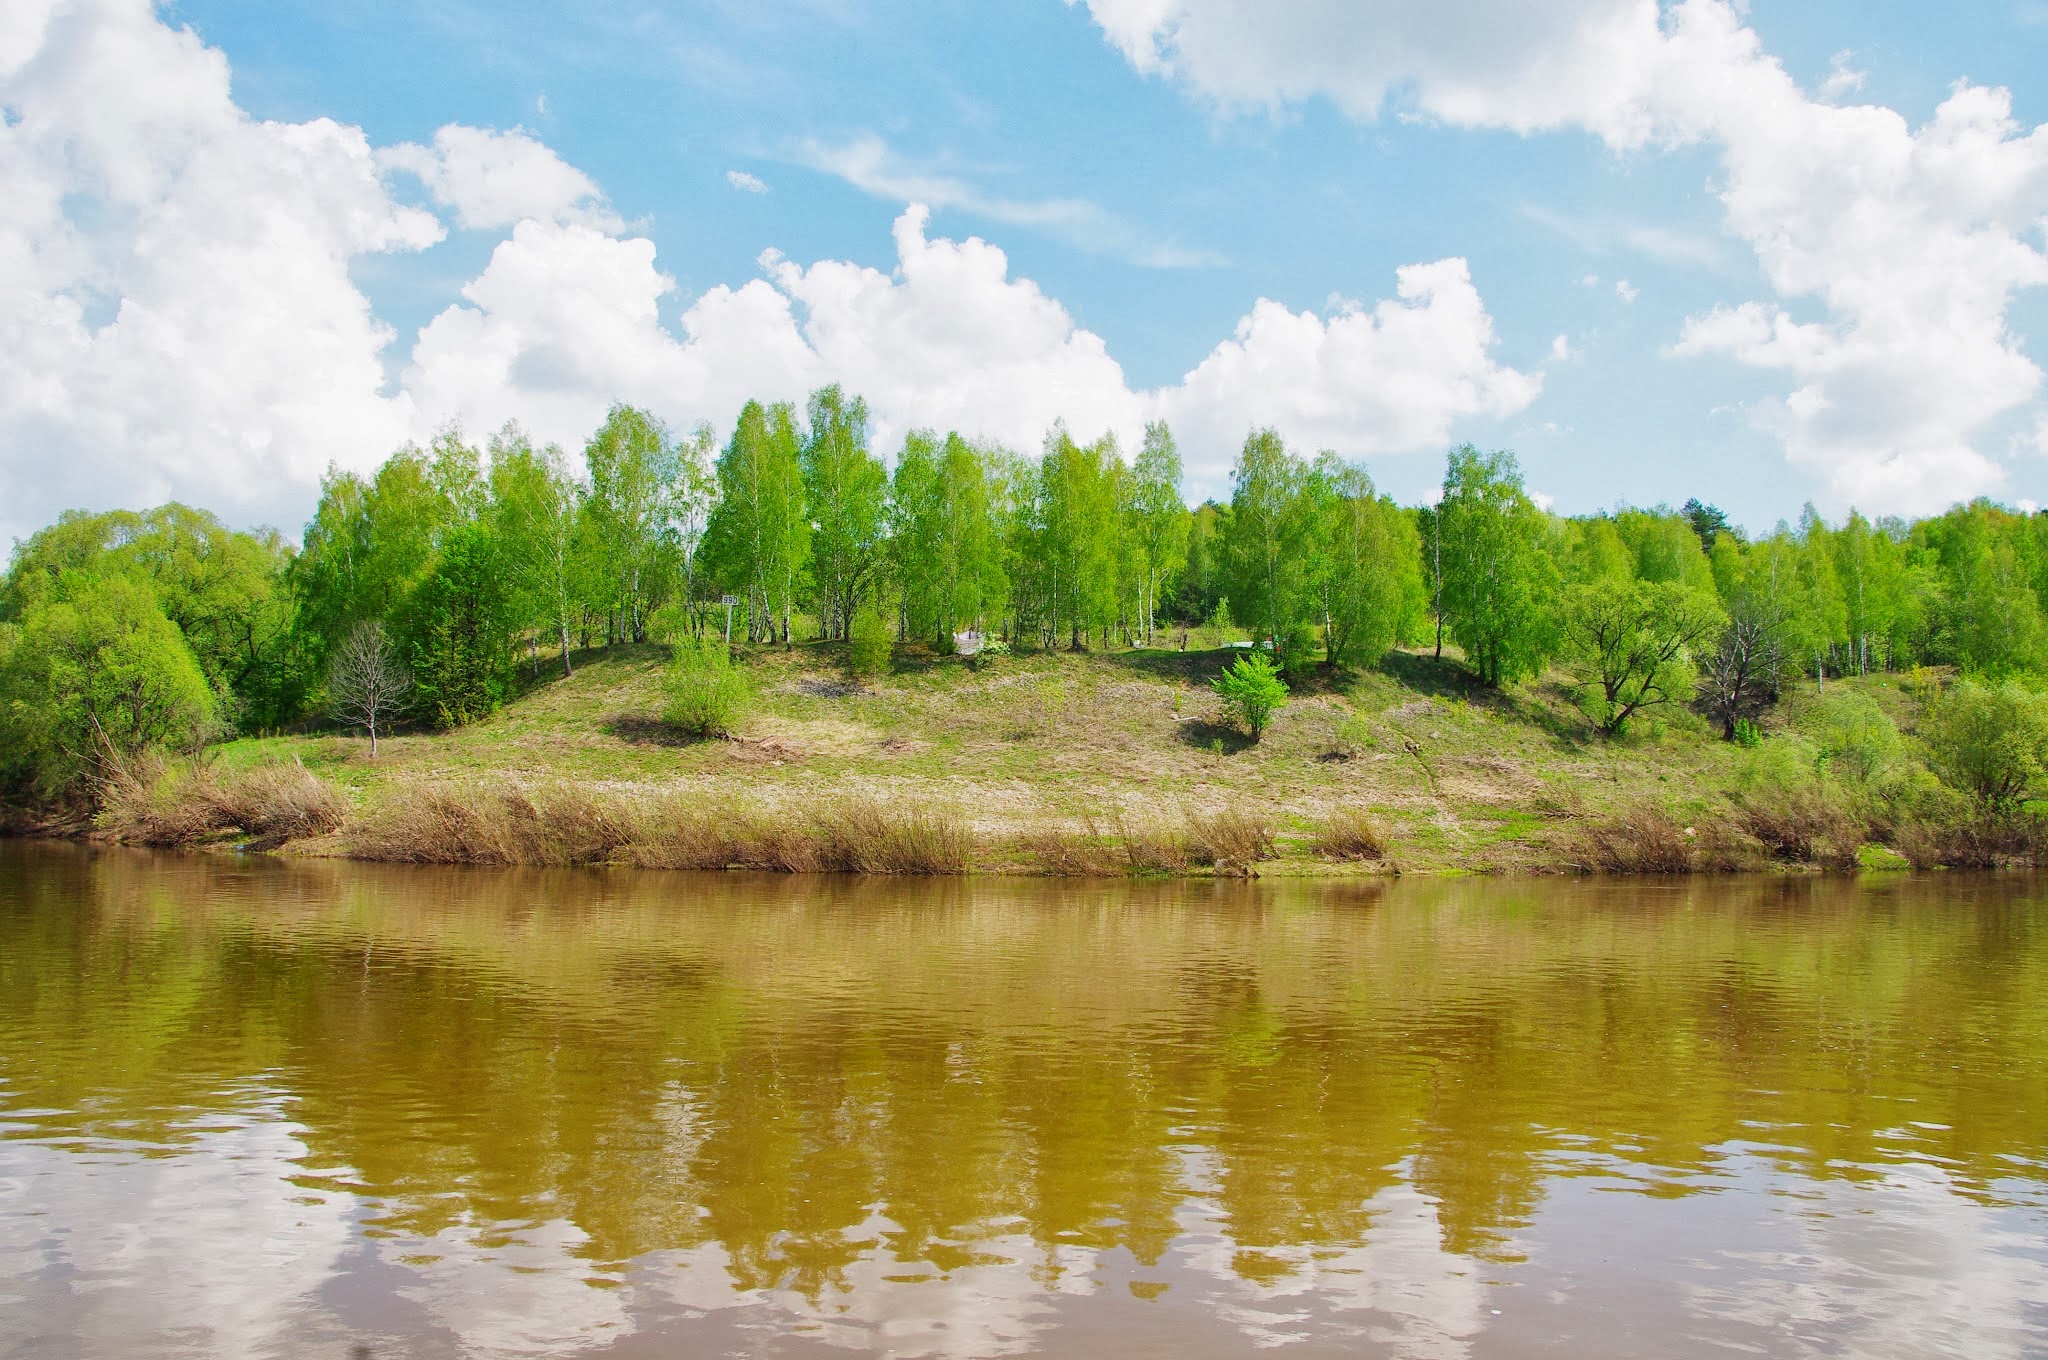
x,y
689,831
1351,833
863,835
1803,826
1062,851
1233,840
1643,840
434,824
1964,842
147,801
504,824
1148,848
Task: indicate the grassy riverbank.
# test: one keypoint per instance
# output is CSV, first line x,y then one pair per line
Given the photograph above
x,y
1103,763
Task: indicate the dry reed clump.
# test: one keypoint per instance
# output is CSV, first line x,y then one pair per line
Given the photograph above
x,y
1148,848
504,824
565,825
146,801
1351,833
1986,842
683,831
1232,840
434,824
1643,840
494,824
1063,851
283,801
1803,827
864,835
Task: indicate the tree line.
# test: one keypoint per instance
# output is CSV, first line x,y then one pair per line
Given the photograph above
x,y
480,568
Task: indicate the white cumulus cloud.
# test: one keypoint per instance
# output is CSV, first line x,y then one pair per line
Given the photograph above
x,y
1912,241
180,318
566,320
183,322
1388,380
496,179
746,183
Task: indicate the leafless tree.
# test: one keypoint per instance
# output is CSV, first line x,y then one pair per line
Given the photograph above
x,y
1739,677
367,684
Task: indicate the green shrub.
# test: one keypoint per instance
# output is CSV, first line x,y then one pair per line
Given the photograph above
x,y
1219,618
868,646
706,694
1855,737
456,632
1252,692
1989,741
1299,650
94,670
1357,733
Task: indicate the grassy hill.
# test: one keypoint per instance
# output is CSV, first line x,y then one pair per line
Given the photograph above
x,y
1095,762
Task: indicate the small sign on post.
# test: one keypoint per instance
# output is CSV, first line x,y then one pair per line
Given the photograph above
x,y
728,601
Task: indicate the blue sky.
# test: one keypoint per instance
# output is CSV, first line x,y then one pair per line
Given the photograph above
x,y
1153,171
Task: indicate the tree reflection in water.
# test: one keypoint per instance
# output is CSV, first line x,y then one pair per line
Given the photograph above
x,y
525,1111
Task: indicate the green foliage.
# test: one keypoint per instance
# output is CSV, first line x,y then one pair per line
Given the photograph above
x,y
704,693
868,649
1747,735
1067,539
1300,650
633,466
844,487
1989,741
368,545
758,539
1357,733
456,631
1706,521
947,548
1269,536
1854,737
92,669
1160,520
1629,644
477,566
227,593
1252,692
1499,583
535,506
1364,564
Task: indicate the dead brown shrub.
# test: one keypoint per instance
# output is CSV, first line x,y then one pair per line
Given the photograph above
x,y
147,801
1232,839
1149,848
283,801
1643,840
435,824
144,800
563,826
1964,842
864,835
1064,851
1351,833
693,831
1803,826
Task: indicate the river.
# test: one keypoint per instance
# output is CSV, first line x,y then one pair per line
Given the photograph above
x,y
252,1107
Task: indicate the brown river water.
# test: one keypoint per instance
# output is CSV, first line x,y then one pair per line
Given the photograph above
x,y
252,1107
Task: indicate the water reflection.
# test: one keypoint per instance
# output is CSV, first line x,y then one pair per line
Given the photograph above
x,y
257,1107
